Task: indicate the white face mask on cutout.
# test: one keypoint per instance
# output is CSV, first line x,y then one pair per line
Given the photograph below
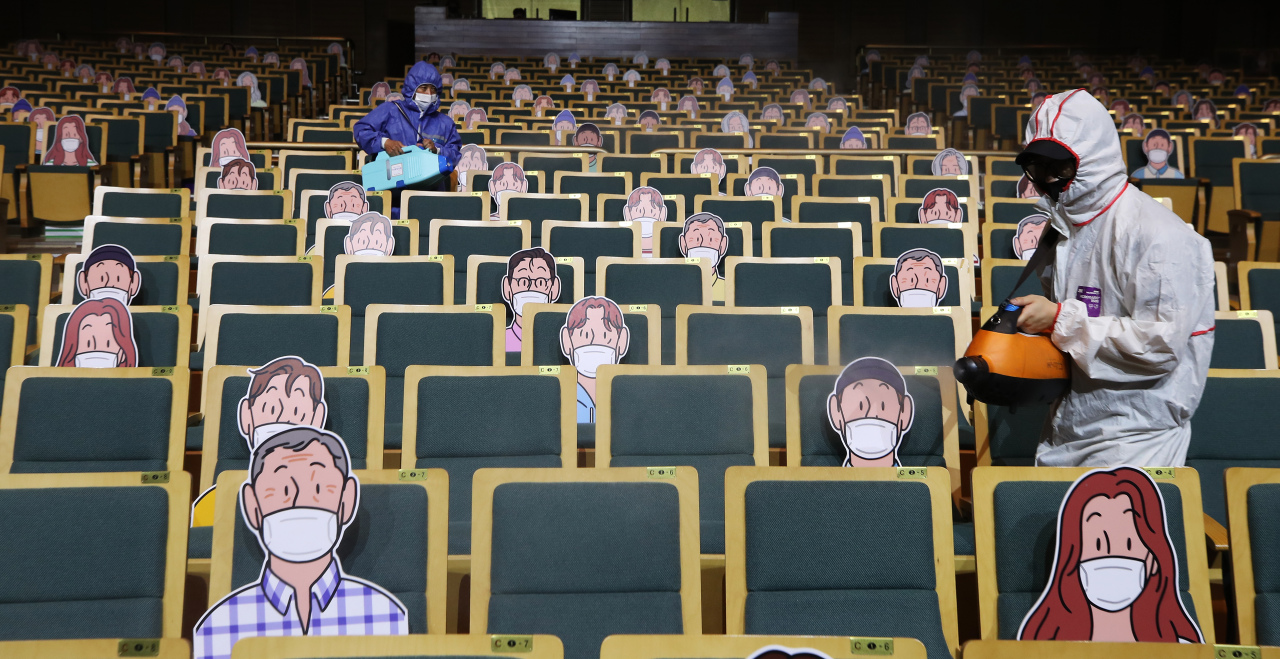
x,y
370,252
345,216
939,222
1157,156
97,359
226,160
589,358
870,439
1113,583
268,430
917,297
70,144
501,196
704,253
39,138
299,535
646,226
1027,254
526,297
118,294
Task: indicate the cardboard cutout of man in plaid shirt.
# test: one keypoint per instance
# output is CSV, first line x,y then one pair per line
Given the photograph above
x,y
299,498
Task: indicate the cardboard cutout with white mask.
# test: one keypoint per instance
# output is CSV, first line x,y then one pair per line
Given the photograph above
x,y
531,278
369,235
872,411
594,334
919,279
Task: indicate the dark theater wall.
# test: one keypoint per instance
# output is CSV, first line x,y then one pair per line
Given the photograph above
x,y
830,31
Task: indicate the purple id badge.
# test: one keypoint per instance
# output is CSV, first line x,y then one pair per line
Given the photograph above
x,y
1092,299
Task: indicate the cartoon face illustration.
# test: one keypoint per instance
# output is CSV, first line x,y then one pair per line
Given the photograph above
x,y
818,84
772,111
228,145
531,277
1113,556
967,92
1243,91
640,58
446,62
940,206
520,94
150,98
196,68
1216,77
1121,107
1033,85
645,205
458,109
688,103
1204,110
649,120
379,91
1133,123
746,60
564,124
837,104
346,201
1272,105
251,53
541,104
370,235
704,237
709,161
720,71
590,88
918,124
475,116
299,528
156,52
567,82
725,88
300,64
41,117
176,104
223,75
1157,146
461,85
1250,134
99,334
697,85
124,45
772,66
853,139
588,135
735,122
71,146
750,79
819,121
1038,98
551,61
918,279
610,70
496,70
1183,99
85,73
871,411
660,95
916,71
663,65
950,162
508,179
631,77
471,157
286,393
617,113
174,62
1027,189
1030,228
764,181
123,86
67,66
800,96
109,273
594,335
574,58
238,175
510,75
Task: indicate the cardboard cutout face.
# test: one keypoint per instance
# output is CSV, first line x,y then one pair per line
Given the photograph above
x,y
9,95
471,157
704,237
461,85
84,73
746,60
228,145
649,120
458,109
940,206
590,88
721,71
853,139
196,69
508,179
238,175
156,52
818,84
20,110
819,121
510,75
1133,123
124,86
567,82
175,62
99,334
1115,573
772,111
764,181
531,277
564,125
1250,134
640,58
837,104
41,117
379,91
286,393
616,113
950,162
610,70
496,70
697,85
249,80
919,124
542,104
918,280
370,235
594,334
298,499
645,206
1027,189
588,135
772,66
521,94
394,96
661,95
631,77
475,116
70,145
871,411
801,96
709,161
124,45
1027,238
688,103
663,65
1158,147
223,75
551,61
736,122
109,272
725,88
446,62
346,201
750,79
176,104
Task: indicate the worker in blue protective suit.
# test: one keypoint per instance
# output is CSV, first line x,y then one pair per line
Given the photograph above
x,y
415,120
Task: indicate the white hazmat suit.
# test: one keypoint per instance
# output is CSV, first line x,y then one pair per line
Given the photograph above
x,y
1135,288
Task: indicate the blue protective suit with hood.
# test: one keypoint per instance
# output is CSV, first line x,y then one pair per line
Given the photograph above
x,y
386,121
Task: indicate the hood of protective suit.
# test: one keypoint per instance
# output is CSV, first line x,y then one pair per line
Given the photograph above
x,y
422,73
1077,121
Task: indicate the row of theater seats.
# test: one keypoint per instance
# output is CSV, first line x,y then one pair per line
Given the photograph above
x,y
581,554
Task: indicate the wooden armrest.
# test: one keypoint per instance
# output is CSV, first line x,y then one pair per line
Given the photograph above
x,y
1216,533
1242,229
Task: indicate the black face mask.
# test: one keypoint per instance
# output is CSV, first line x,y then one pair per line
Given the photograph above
x,y
1050,177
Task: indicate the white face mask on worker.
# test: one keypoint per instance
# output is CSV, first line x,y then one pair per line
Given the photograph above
x,y
424,101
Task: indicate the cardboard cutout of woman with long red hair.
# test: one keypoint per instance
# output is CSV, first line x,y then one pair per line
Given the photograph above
x,y
70,144
99,334
1115,573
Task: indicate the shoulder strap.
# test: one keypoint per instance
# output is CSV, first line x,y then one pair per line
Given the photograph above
x,y
410,121
1044,253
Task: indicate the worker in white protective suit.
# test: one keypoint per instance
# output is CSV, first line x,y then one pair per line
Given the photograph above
x,y
1133,298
